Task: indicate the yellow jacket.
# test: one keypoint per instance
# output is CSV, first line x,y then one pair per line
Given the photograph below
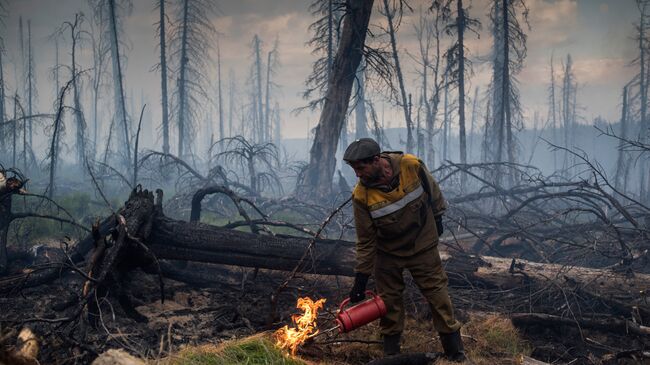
x,y
397,221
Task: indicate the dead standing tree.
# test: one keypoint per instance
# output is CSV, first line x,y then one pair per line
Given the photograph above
x,y
642,80
568,109
80,124
552,110
222,133
190,56
58,128
23,76
623,161
476,109
360,118
118,78
113,11
324,43
459,65
272,63
390,11
3,128
428,32
3,111
508,53
30,85
100,54
424,31
160,4
240,151
320,170
257,129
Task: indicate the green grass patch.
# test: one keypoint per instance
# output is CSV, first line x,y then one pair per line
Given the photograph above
x,y
257,350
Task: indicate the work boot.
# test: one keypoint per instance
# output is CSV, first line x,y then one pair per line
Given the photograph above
x,y
452,344
391,344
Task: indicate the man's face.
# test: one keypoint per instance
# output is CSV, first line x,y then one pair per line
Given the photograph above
x,y
367,172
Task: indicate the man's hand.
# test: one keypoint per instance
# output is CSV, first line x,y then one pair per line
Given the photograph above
x,y
439,226
358,292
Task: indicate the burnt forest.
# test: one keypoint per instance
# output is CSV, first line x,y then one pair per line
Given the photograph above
x,y
173,189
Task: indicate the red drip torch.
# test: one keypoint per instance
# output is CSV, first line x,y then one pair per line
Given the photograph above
x,y
357,315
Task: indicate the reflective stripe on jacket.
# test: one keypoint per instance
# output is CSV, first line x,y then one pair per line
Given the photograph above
x,y
400,221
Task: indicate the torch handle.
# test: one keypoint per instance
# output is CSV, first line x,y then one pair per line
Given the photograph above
x,y
347,300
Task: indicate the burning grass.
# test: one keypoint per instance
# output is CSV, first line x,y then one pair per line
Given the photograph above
x,y
305,325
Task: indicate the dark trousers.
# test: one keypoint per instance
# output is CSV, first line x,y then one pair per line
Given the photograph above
x,y
427,272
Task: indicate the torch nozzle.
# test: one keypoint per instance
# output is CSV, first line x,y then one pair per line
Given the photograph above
x,y
327,331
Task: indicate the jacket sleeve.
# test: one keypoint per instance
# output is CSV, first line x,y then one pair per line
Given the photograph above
x,y
439,204
366,239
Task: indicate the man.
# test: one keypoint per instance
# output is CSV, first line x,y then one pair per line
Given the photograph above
x,y
398,211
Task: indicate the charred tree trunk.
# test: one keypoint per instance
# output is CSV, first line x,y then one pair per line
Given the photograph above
x,y
222,134
475,111
445,120
118,87
3,128
435,97
620,178
23,67
330,37
390,14
14,131
80,124
553,112
566,89
506,90
54,144
460,26
98,60
320,170
163,78
361,122
231,102
182,84
267,99
260,127
30,85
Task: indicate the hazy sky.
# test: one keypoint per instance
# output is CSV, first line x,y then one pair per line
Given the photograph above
x,y
597,33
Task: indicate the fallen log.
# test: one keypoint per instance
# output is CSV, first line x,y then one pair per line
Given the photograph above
x,y
178,240
604,324
625,293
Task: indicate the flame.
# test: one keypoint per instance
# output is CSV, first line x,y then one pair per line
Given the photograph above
x,y
305,325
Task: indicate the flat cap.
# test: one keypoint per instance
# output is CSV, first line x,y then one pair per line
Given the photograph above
x,y
361,149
